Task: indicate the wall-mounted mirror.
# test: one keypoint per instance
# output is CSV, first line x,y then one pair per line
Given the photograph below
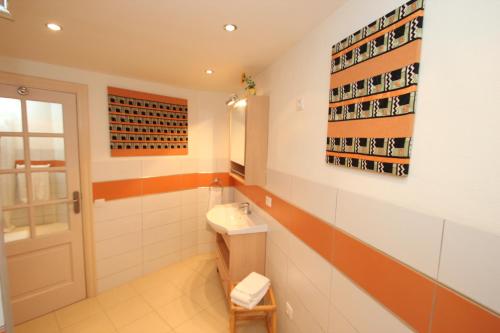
x,y
237,132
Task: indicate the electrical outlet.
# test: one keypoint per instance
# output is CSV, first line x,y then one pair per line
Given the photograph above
x,y
300,104
269,201
289,310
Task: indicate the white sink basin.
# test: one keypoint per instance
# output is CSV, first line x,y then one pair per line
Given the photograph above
x,y
229,219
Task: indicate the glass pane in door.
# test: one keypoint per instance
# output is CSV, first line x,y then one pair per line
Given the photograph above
x,y
47,152
44,117
16,224
11,152
48,185
13,190
50,219
10,115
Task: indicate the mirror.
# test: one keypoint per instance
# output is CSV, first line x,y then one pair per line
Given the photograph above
x,y
237,132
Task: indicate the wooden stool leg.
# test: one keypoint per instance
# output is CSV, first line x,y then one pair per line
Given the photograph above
x,y
273,322
232,322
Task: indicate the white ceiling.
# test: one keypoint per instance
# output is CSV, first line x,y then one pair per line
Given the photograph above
x,y
169,41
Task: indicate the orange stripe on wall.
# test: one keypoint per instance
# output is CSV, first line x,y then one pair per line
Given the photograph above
x,y
404,291
119,189
380,33
388,127
389,61
150,97
456,314
148,152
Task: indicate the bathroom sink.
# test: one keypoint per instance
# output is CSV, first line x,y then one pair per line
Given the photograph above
x,y
230,219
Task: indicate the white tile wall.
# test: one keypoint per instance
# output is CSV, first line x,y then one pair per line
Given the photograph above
x,y
161,167
116,170
279,184
470,263
338,323
409,236
125,225
150,232
315,198
324,300
307,282
111,210
118,263
314,301
161,201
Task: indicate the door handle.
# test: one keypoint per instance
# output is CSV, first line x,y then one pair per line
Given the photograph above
x,y
76,202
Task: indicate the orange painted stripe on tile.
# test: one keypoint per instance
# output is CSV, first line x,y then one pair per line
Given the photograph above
x,y
163,184
150,97
117,189
402,290
311,230
371,158
148,152
457,314
120,189
388,127
398,58
206,179
374,97
380,33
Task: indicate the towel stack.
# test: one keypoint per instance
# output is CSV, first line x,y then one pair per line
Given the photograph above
x,y
250,291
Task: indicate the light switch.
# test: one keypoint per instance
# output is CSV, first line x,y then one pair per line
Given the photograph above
x,y
269,201
300,104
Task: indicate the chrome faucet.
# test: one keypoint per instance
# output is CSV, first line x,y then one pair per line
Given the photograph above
x,y
245,207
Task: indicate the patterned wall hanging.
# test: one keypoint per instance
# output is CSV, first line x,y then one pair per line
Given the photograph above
x,y
143,124
373,86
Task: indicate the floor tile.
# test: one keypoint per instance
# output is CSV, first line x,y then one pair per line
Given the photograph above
x,y
97,323
116,296
44,324
162,295
77,312
254,326
151,323
128,312
207,294
203,322
219,309
179,311
150,281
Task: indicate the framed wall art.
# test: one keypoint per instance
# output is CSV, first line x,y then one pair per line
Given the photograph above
x,y
143,124
373,88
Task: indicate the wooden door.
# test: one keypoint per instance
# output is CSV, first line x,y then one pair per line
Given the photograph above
x,y
40,193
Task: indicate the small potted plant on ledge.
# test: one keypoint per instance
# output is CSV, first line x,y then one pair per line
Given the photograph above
x,y
249,85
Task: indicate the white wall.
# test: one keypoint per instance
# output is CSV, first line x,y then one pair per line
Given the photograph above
x,y
207,120
454,169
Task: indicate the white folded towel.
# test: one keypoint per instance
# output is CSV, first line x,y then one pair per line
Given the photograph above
x,y
243,297
250,291
253,302
253,284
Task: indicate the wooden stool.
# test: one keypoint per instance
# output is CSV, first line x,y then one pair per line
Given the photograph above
x,y
265,310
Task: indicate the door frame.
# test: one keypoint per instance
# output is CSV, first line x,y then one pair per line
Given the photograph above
x,y
81,93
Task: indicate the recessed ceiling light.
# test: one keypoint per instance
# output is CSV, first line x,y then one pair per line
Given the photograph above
x,y
54,26
209,71
230,27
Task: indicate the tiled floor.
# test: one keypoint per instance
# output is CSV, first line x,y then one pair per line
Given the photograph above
x,y
183,298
